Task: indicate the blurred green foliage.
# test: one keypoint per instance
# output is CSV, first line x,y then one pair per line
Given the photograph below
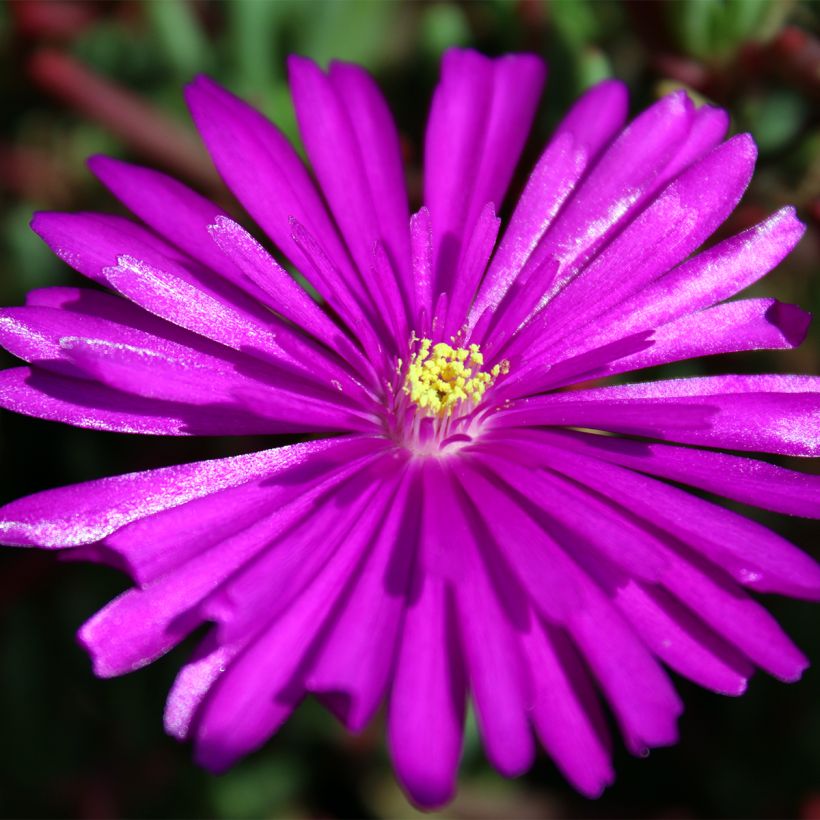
x,y
79,747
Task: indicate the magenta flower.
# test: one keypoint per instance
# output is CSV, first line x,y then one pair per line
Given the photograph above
x,y
457,526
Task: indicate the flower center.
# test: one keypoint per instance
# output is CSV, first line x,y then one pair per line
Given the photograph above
x,y
440,377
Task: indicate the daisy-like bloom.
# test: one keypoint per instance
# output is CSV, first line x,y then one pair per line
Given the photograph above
x,y
462,523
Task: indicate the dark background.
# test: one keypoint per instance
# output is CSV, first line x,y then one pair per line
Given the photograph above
x,y
79,78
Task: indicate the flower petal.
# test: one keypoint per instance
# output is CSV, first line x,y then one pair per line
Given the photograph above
x,y
266,680
566,712
81,403
169,297
355,660
85,513
481,113
487,598
750,324
156,544
713,275
353,146
174,373
174,211
588,127
680,639
283,293
688,211
743,479
247,149
775,414
750,553
144,623
428,691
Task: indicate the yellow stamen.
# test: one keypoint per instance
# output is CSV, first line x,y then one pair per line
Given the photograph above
x,y
439,377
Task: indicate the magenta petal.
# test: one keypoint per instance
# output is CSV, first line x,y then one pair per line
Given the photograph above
x,y
144,623
535,559
752,554
421,236
480,115
681,640
593,525
751,324
246,148
267,586
551,182
687,212
84,513
175,212
355,660
98,407
736,617
428,694
193,682
283,294
177,374
776,414
266,680
566,713
742,479
202,312
353,146
158,543
486,598
619,184
713,275
636,687
589,126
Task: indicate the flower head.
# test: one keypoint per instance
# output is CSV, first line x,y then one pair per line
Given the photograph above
x,y
459,525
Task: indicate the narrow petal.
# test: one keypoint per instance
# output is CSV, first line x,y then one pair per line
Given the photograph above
x,y
742,479
594,526
688,211
283,293
643,699
551,182
621,182
590,124
193,682
477,250
735,616
713,275
421,236
487,598
428,693
750,553
85,513
175,212
378,142
535,559
81,403
639,692
90,243
481,113
177,374
246,149
354,663
353,146
154,545
203,313
144,623
751,324
775,414
566,713
265,588
265,681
